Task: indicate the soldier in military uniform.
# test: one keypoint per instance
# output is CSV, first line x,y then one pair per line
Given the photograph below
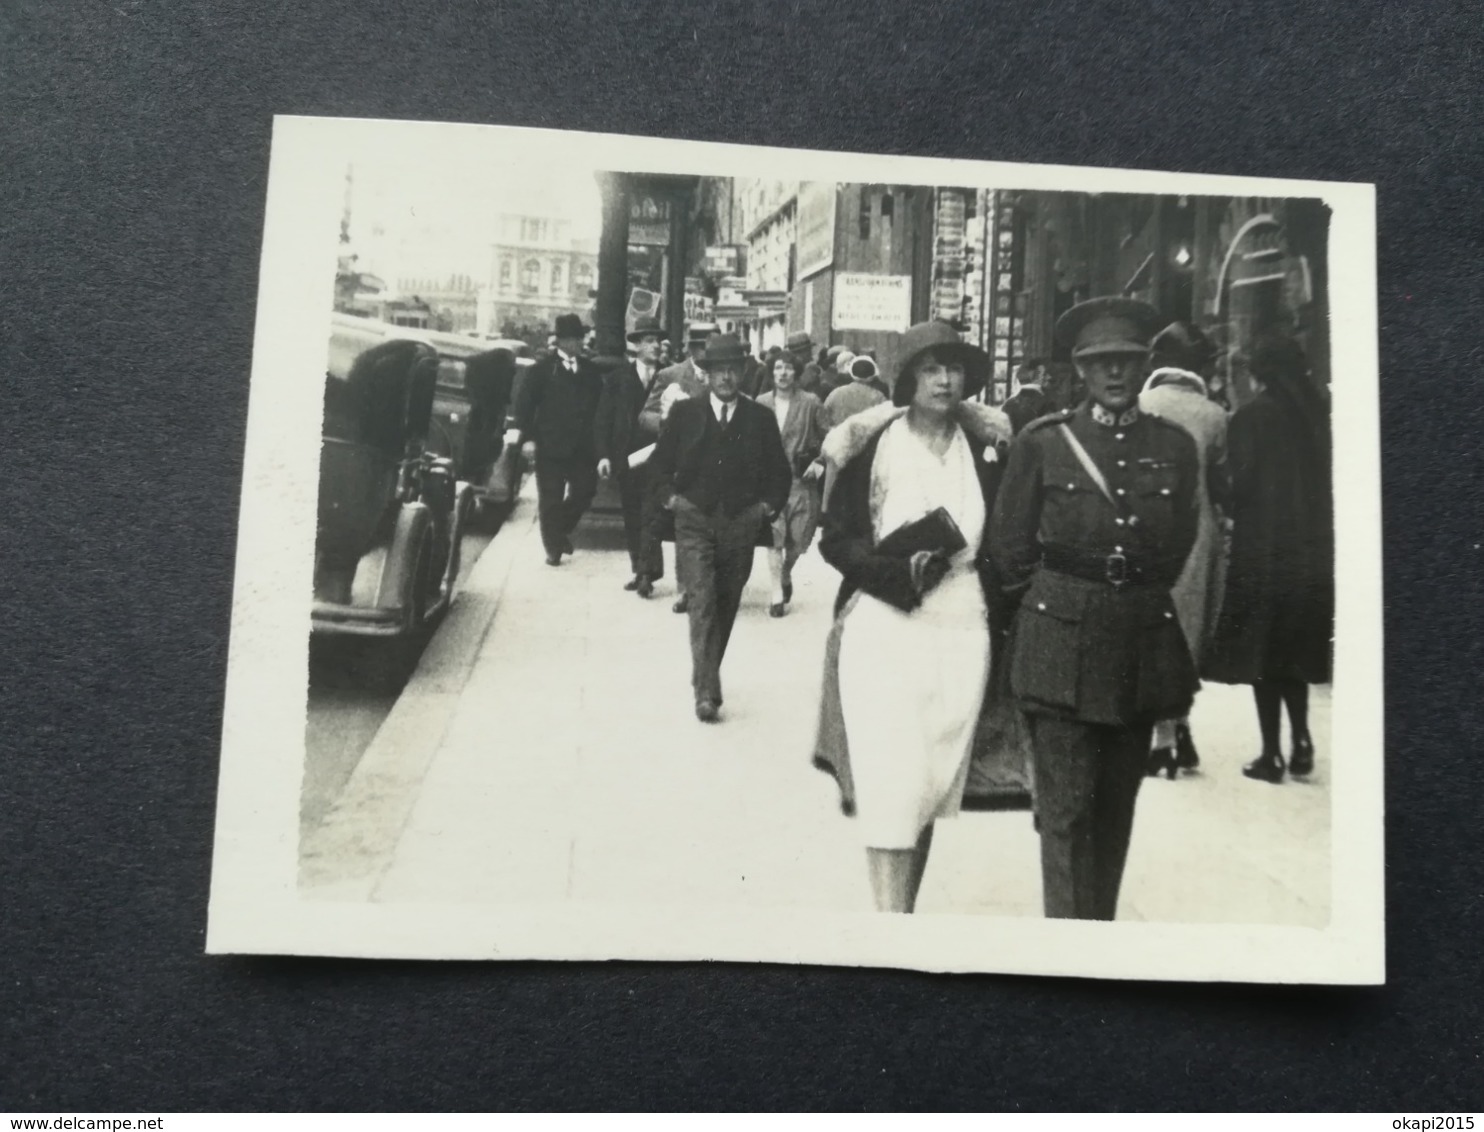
x,y
1095,517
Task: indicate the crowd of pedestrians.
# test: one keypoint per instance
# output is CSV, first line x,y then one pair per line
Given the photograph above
x,y
1076,559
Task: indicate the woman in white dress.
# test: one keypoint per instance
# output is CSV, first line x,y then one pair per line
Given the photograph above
x,y
914,637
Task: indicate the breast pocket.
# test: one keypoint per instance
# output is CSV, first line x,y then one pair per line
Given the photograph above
x,y
1046,661
1154,494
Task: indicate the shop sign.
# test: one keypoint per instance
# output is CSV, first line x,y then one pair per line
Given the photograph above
x,y
723,260
872,302
698,308
816,227
649,221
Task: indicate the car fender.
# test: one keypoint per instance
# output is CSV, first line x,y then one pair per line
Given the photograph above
x,y
398,588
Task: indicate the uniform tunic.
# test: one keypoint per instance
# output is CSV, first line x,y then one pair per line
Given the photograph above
x,y
1086,649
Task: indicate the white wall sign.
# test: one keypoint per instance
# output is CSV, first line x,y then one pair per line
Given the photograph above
x,y
816,227
872,302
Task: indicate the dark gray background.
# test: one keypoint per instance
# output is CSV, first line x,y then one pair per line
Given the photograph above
x,y
134,140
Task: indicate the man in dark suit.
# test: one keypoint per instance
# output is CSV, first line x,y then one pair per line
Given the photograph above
x,y
1029,401
558,410
720,458
1095,517
623,429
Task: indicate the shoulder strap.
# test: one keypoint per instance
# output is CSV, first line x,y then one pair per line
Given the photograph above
x,y
1088,466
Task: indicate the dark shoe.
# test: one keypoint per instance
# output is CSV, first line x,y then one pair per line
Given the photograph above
x,y
1162,759
777,609
632,584
553,559
682,604
1185,754
706,711
788,592
1301,762
1267,767
645,588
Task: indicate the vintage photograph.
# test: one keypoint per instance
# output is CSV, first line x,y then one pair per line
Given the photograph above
x,y
669,550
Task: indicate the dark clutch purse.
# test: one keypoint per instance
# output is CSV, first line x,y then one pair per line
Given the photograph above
x,y
935,531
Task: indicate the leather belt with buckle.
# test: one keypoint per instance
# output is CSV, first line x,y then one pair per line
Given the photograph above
x,y
1116,569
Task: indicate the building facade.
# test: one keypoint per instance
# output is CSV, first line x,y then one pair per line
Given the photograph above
x,y
537,271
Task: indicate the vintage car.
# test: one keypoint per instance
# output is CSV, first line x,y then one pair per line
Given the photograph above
x,y
391,511
477,379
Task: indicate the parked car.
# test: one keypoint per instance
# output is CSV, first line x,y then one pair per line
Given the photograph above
x,y
391,511
476,387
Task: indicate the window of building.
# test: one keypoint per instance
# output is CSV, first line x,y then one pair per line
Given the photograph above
x,y
530,275
558,277
865,215
507,270
888,206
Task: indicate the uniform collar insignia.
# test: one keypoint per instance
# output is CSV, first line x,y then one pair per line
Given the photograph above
x,y
1110,419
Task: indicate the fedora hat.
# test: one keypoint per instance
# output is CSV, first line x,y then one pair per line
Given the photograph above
x,y
644,326
569,326
724,348
799,342
1111,324
944,341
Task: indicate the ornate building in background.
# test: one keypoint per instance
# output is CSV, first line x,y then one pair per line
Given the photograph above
x,y
537,271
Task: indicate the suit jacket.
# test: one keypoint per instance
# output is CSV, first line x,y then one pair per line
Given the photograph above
x,y
558,409
683,374
689,435
620,427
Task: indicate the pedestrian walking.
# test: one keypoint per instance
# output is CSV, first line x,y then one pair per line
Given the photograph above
x,y
1095,518
904,526
1176,391
557,410
686,378
1277,620
801,347
1029,400
623,430
721,459
860,394
800,419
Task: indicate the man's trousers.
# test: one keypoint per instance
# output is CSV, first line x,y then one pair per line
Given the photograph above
x,y
564,489
713,557
1087,778
646,555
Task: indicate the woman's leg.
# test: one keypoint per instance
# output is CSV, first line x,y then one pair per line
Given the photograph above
x,y
775,573
1295,695
1268,766
896,874
1269,715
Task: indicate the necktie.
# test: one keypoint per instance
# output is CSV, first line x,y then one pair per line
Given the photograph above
x,y
726,413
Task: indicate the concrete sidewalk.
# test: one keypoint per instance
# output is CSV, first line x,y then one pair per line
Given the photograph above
x,y
546,750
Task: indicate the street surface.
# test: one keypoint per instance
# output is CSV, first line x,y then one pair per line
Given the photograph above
x,y
550,753
344,713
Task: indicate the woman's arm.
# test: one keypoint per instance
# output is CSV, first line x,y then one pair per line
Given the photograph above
x,y
846,542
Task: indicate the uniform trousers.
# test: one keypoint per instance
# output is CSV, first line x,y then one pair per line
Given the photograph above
x,y
1087,778
645,554
564,489
713,557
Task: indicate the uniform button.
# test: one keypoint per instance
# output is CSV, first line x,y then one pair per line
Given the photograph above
x,y
1119,520
1118,436
1071,487
1169,616
1164,491
1118,550
1122,492
1041,605
1123,463
1133,520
